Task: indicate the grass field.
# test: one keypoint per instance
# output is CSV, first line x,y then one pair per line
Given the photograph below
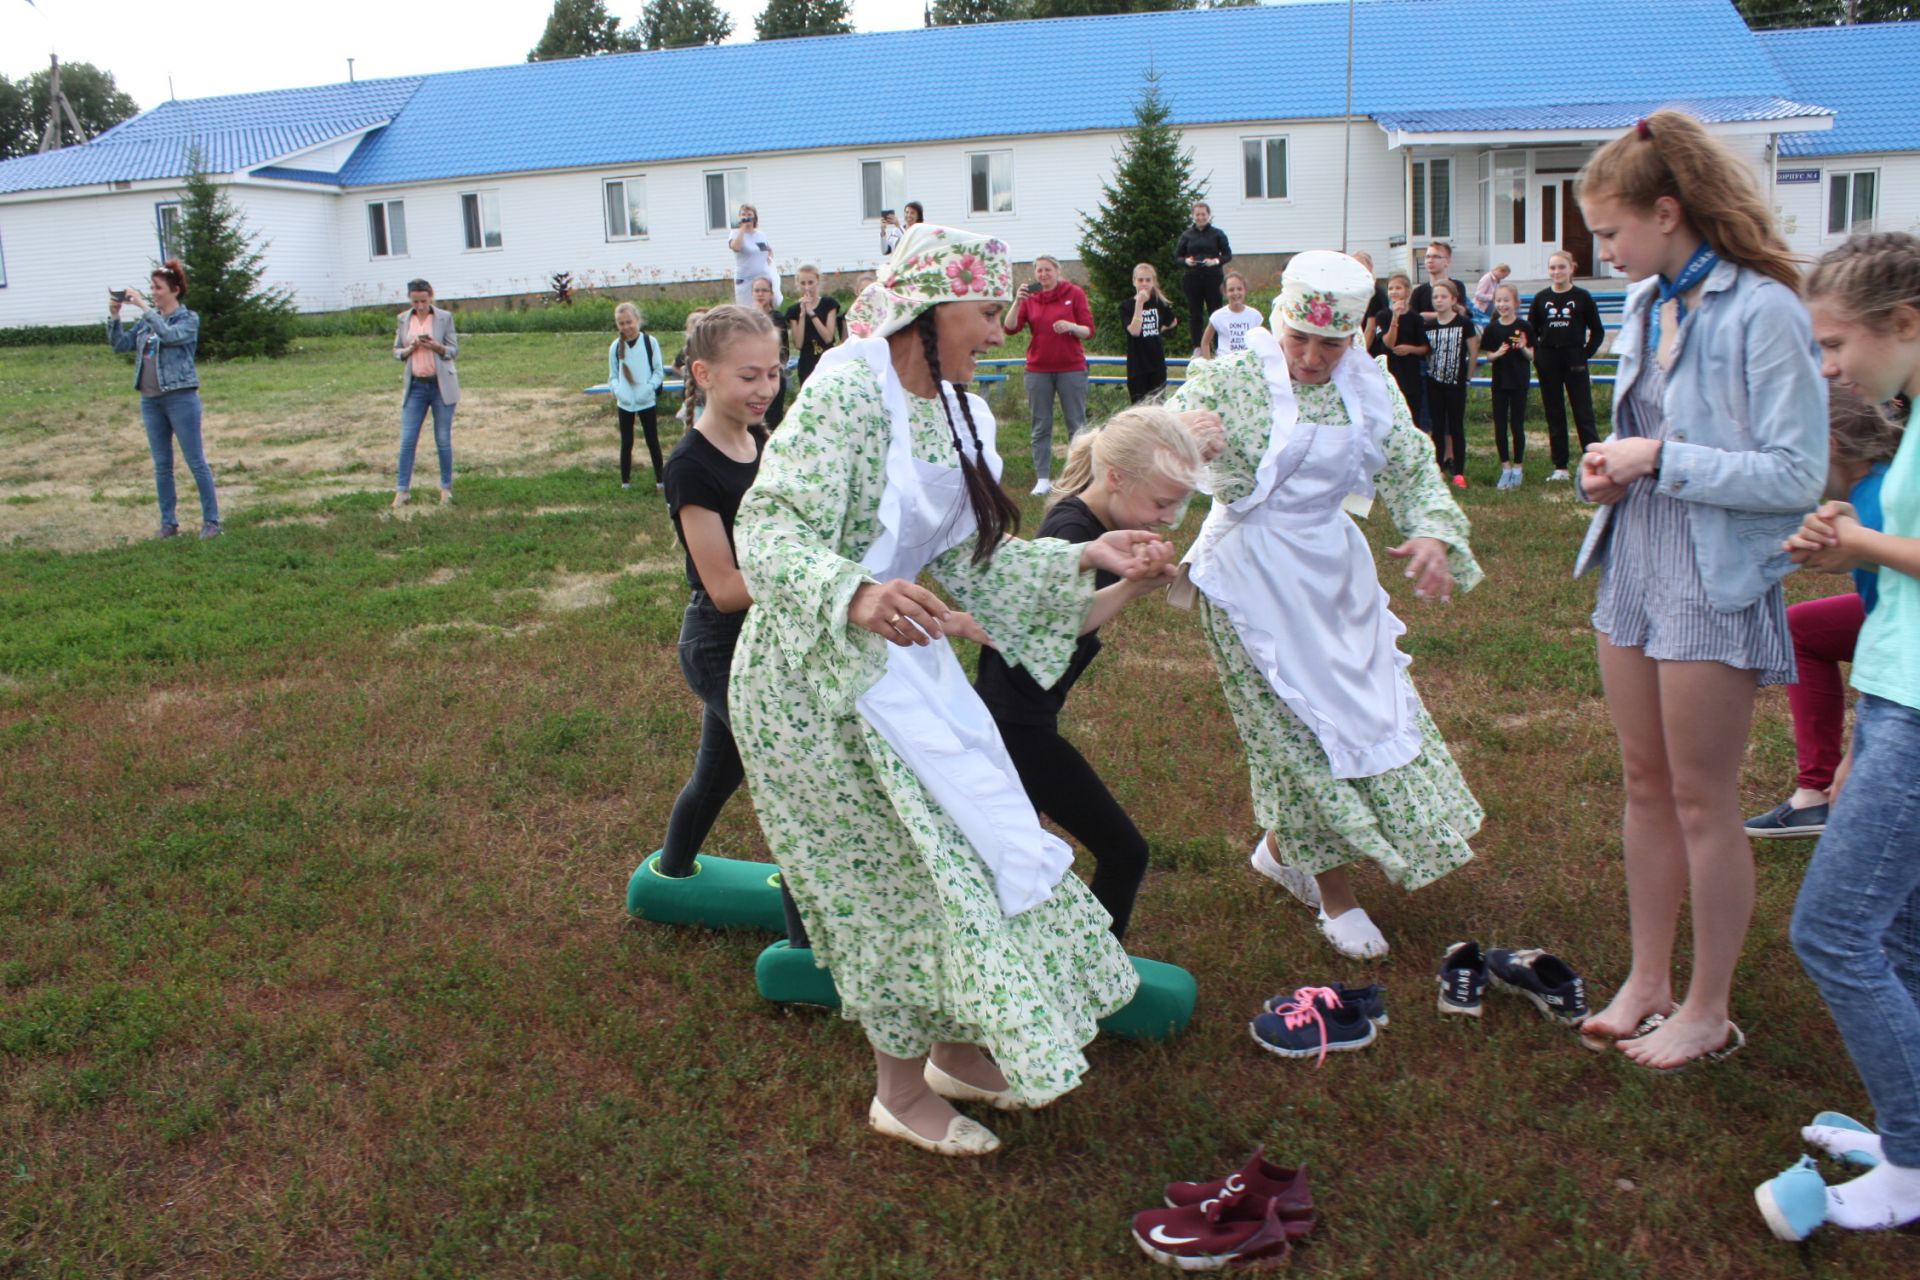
x,y
313,958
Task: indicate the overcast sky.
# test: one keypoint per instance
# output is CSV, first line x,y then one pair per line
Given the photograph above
x,y
213,47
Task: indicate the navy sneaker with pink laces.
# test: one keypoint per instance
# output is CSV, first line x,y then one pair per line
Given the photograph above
x,y
1313,1024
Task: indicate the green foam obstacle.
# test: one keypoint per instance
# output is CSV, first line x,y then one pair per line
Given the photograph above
x,y
786,974
722,893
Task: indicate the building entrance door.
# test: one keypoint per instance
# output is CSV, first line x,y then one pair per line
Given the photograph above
x,y
1562,226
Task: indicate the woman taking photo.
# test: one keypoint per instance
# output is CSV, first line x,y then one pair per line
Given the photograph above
x,y
1204,252
165,338
1062,321
752,257
425,340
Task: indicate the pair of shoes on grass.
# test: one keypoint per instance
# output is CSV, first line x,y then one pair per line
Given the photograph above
x,y
1352,933
1539,977
1315,1021
1246,1220
1797,1201
1511,477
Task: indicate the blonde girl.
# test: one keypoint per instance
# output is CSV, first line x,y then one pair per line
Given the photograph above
x,y
1718,447
635,371
683,369
1149,317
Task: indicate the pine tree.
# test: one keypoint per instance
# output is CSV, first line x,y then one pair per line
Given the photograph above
x,y
238,317
960,13
1143,209
674,24
782,19
579,29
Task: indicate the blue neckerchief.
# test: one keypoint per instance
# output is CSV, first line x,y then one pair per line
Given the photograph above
x,y
1704,259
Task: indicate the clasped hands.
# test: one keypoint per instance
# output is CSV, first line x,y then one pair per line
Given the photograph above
x,y
1608,467
1824,540
906,613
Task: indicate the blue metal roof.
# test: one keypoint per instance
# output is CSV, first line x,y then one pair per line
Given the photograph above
x,y
1866,73
1415,58
1609,115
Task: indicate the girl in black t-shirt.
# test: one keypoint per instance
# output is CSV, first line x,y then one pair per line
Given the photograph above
x,y
1134,472
1402,337
733,356
1149,317
1450,355
764,299
1507,346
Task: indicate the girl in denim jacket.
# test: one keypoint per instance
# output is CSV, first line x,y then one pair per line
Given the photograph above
x,y
1718,449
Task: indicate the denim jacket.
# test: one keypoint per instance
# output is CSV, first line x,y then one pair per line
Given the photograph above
x,y
1746,414
177,337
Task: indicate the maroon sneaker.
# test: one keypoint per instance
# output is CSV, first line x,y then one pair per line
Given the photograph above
x,y
1260,1176
1239,1229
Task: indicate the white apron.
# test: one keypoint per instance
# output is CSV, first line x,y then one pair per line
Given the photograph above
x,y
924,705
1292,572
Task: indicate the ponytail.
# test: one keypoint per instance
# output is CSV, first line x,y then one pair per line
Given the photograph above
x,y
1671,154
994,513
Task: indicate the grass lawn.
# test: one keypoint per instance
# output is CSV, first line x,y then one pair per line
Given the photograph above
x,y
313,957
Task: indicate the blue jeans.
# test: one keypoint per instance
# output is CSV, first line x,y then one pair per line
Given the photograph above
x,y
172,416
423,394
1857,925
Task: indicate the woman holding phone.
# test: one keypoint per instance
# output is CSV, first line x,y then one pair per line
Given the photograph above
x,y
165,335
752,257
1062,321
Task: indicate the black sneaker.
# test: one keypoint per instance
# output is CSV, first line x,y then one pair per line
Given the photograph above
x,y
1370,1000
1544,978
1463,979
1784,822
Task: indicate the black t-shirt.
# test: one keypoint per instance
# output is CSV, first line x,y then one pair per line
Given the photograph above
x,y
1380,303
698,474
1567,321
1511,370
1151,345
1411,331
811,344
1422,300
1013,696
1447,362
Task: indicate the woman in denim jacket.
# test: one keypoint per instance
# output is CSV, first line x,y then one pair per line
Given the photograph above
x,y
165,336
1718,449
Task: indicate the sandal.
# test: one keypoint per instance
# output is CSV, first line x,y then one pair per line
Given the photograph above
x,y
1736,1041
1600,1044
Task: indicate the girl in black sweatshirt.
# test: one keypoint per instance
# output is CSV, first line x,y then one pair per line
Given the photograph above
x,y
1566,333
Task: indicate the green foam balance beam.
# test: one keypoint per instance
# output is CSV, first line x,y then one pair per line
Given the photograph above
x,y
786,974
722,893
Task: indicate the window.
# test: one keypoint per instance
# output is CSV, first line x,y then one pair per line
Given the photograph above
x,y
726,192
166,219
480,214
626,208
992,181
1433,198
883,185
1266,167
387,228
1507,209
1852,201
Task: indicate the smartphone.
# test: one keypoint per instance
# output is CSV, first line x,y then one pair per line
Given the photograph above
x,y
118,295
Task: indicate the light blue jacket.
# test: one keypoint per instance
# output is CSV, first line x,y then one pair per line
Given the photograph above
x,y
1746,412
176,337
638,394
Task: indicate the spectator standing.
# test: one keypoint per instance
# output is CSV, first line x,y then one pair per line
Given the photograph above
x,y
1204,251
1380,302
1567,332
1507,347
1061,320
425,340
1439,260
765,302
752,257
912,214
1402,337
1450,357
813,323
1227,328
636,371
1483,292
166,337
1149,317
889,232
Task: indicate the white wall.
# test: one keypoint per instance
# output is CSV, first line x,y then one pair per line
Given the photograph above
x,y
1802,206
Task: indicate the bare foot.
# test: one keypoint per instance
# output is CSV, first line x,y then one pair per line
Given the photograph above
x,y
969,1064
1679,1040
1630,1006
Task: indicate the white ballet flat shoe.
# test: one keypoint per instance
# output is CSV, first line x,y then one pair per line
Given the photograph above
x,y
954,1089
1295,881
964,1137
1354,935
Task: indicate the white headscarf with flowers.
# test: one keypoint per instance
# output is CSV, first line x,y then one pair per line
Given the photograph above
x,y
1324,293
929,266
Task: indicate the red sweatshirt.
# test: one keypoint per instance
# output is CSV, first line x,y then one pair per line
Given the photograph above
x,y
1051,352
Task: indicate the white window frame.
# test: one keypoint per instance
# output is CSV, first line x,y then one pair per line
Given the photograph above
x,y
160,227
626,207
734,193
3,262
1422,224
483,202
386,229
893,199
1854,222
991,157
1264,142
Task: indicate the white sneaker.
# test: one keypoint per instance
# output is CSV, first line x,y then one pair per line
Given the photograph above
x,y
1292,879
1042,486
1558,475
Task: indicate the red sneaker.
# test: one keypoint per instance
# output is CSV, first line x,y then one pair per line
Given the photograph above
x,y
1459,482
1260,1176
1239,1229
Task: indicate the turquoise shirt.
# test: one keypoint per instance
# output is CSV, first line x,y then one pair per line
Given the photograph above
x,y
1886,663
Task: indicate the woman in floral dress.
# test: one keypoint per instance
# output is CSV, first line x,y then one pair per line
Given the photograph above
x,y
1345,762
920,872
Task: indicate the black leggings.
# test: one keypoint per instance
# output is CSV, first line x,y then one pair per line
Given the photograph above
x,y
650,423
1064,787
1510,414
707,638
1559,369
1204,288
1447,409
1145,377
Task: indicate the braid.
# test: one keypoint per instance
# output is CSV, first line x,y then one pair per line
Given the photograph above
x,y
994,513
1870,274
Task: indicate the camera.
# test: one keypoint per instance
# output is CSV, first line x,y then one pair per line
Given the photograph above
x,y
118,295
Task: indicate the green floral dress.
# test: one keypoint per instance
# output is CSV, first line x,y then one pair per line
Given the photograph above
x,y
895,900
1414,821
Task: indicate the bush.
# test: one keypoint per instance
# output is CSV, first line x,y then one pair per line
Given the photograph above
x,y
52,335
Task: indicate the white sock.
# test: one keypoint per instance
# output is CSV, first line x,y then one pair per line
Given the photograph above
x,y
1354,934
1884,1197
1838,1142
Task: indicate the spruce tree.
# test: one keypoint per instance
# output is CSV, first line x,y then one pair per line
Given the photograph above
x,y
238,317
1144,207
782,19
674,24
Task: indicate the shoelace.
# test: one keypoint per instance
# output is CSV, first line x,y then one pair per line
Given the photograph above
x,y
1305,1008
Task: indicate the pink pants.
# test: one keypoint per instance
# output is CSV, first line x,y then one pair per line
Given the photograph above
x,y
1824,632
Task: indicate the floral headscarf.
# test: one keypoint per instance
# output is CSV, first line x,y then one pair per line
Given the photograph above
x,y
929,266
1324,293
